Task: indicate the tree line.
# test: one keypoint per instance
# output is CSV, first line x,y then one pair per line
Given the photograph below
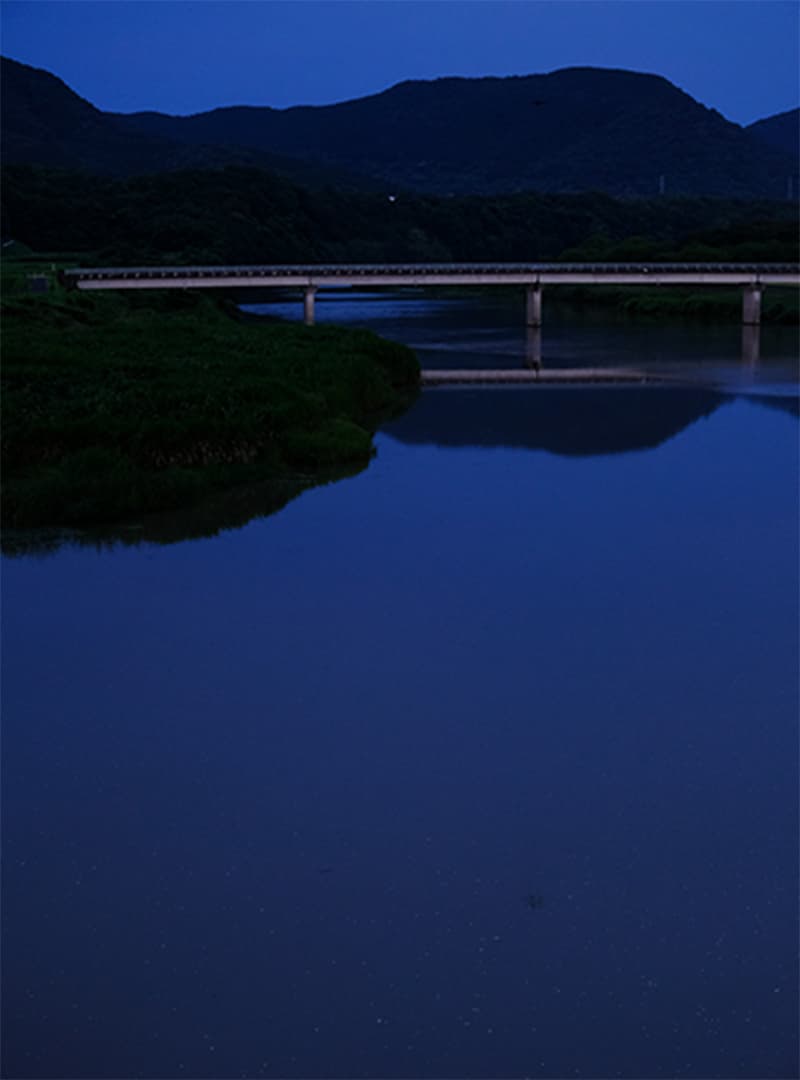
x,y
247,215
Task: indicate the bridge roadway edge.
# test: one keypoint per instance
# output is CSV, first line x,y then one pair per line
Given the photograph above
x,y
346,276
750,277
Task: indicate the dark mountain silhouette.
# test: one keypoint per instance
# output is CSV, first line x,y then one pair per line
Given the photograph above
x,y
573,130
46,123
579,129
782,131
572,421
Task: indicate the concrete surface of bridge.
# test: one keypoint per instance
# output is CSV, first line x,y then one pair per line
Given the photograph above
x,y
752,278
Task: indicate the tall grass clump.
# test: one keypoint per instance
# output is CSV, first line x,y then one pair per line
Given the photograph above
x,y
119,405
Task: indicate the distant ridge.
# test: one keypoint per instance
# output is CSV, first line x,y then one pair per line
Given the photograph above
x,y
574,130
44,122
781,131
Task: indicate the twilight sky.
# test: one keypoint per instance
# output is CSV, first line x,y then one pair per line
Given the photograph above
x,y
741,57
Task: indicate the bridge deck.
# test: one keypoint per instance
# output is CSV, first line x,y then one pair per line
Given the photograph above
x,y
392,274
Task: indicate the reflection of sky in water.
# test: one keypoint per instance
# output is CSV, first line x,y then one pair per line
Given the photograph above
x,y
275,802
487,331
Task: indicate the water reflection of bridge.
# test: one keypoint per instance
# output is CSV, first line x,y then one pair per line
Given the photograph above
x,y
534,372
751,278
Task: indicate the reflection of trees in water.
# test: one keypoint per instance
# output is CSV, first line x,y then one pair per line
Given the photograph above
x,y
574,421
226,510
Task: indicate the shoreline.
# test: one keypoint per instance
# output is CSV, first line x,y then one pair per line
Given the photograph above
x,y
115,408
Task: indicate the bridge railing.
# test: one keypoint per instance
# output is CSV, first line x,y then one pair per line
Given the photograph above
x,y
750,277
301,270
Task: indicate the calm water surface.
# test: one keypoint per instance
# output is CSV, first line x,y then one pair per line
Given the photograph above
x,y
480,763
487,330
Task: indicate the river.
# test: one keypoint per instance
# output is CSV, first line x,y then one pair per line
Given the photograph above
x,y
483,762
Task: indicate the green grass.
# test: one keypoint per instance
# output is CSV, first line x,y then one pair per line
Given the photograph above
x,y
115,406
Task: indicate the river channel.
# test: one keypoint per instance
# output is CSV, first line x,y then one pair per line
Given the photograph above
x,y
483,762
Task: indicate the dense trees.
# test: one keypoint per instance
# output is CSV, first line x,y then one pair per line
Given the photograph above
x,y
247,215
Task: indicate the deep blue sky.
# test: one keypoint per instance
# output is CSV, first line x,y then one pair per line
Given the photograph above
x,y
739,56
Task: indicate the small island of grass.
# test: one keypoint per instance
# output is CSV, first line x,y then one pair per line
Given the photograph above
x,y
119,406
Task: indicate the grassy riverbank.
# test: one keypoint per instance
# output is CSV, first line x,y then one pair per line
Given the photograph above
x,y
120,406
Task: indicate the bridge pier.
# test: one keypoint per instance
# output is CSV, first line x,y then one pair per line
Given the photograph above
x,y
533,347
308,305
751,345
751,305
533,305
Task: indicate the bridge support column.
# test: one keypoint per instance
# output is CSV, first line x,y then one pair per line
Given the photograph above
x,y
533,347
751,345
533,305
751,305
308,305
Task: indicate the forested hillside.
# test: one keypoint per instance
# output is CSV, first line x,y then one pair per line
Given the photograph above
x,y
46,123
782,132
575,130
579,129
245,215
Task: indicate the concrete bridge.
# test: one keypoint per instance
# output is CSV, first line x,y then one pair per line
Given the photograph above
x,y
751,278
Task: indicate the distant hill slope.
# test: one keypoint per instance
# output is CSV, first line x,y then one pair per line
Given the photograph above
x,y
44,122
781,131
575,130
579,129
